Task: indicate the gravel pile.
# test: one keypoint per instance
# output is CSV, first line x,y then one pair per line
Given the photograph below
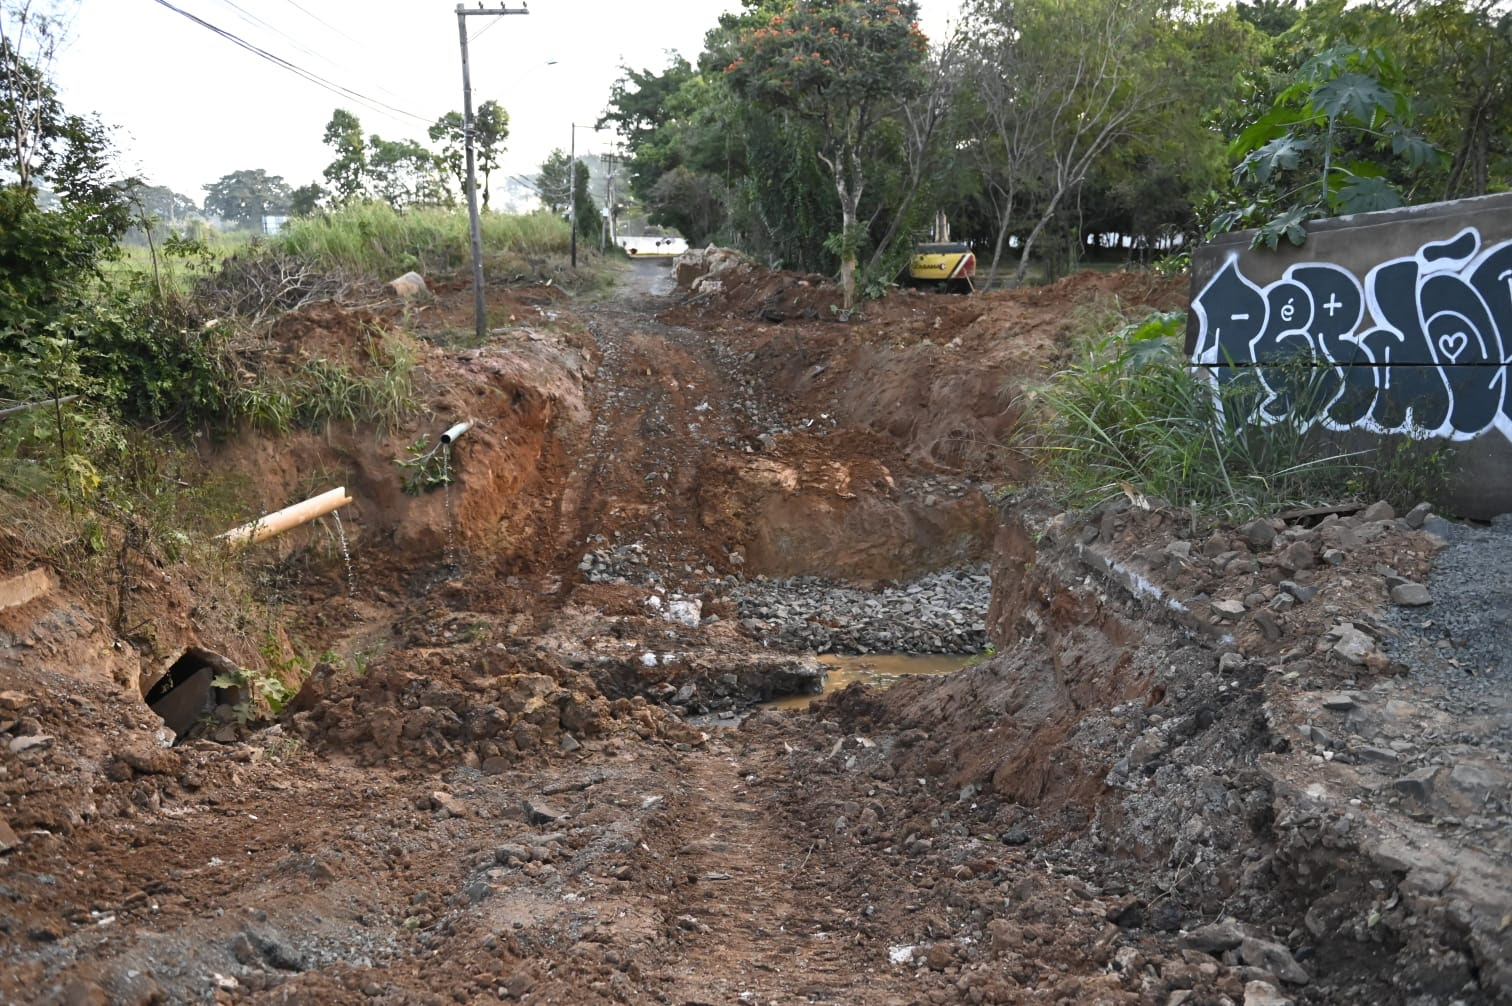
x,y
944,612
1464,638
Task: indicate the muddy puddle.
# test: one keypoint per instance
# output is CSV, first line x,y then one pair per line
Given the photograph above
x,y
873,669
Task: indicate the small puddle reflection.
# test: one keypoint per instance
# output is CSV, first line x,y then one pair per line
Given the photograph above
x,y
873,669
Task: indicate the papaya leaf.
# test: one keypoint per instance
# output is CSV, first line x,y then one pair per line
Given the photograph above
x,y
1355,97
1365,195
1281,154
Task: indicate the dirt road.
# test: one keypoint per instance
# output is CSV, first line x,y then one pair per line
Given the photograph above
x,y
502,799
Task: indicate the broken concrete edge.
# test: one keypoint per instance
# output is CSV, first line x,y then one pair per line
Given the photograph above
x,y
1140,588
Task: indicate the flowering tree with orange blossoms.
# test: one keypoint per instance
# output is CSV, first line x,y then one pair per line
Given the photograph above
x,y
842,66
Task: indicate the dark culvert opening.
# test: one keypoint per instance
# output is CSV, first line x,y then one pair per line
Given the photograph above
x,y
185,697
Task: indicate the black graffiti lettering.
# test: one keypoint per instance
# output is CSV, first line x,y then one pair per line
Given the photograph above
x,y
1461,246
1235,316
1411,395
1423,346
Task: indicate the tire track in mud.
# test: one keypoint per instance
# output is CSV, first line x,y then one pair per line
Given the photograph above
x,y
658,406
751,919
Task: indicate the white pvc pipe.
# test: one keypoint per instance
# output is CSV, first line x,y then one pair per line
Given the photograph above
x,y
276,523
456,431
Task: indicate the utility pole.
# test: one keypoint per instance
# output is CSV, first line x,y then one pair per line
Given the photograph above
x,y
480,312
572,190
607,160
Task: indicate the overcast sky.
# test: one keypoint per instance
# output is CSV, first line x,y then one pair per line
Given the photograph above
x,y
191,106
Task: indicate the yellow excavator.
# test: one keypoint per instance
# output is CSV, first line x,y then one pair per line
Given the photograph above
x,y
942,263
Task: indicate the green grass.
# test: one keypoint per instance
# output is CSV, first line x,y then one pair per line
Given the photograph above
x,y
322,393
374,239
1131,412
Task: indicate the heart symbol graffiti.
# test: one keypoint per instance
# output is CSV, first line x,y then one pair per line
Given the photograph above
x,y
1453,344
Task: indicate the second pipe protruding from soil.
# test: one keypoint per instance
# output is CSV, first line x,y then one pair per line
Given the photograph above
x,y
452,434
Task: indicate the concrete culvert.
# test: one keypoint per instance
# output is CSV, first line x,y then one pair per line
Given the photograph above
x,y
185,696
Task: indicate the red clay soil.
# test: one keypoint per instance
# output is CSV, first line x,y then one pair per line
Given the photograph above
x,y
478,794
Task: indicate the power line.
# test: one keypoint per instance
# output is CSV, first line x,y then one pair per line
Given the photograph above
x,y
314,78
258,22
483,30
316,18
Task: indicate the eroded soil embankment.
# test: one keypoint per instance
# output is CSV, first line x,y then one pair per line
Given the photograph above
x,y
1207,738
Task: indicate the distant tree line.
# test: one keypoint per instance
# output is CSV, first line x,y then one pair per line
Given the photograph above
x,y
824,134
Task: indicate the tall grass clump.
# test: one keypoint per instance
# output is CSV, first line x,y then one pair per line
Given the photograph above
x,y
375,239
1130,411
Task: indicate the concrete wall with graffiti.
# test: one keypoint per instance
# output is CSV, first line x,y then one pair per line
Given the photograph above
x,y
1382,324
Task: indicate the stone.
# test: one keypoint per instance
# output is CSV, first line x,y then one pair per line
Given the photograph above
x,y
1340,536
511,852
1411,595
538,811
495,765
448,804
1353,645
411,284
13,701
28,742
1230,662
1275,958
1258,993
684,612
1302,593
152,761
569,743
1416,785
1298,555
1380,510
1473,782
8,839
939,956
1418,515
1375,755
1228,610
1339,702
1270,627
1259,533
1215,937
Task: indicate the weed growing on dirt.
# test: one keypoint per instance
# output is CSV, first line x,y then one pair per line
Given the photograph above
x,y
324,392
1131,411
425,466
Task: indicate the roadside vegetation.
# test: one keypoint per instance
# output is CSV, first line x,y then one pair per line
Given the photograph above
x,y
1128,416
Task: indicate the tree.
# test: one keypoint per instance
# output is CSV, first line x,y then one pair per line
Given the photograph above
x,y
451,134
1319,150
840,66
554,181
693,202
490,130
347,174
162,202
245,197
402,173
1051,110
306,199
588,222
